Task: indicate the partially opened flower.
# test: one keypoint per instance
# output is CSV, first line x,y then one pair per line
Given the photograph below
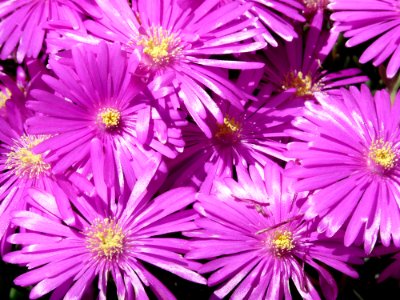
x,y
23,23
68,259
254,135
348,153
258,250
376,22
298,64
102,114
180,42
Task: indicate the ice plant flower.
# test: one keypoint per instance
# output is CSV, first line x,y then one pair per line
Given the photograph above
x,y
23,23
180,42
100,113
22,169
298,64
254,135
260,243
348,153
376,22
67,259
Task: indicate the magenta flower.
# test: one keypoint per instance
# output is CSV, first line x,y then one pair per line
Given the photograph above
x,y
298,64
180,42
376,22
257,250
254,135
23,23
21,169
348,153
67,259
103,116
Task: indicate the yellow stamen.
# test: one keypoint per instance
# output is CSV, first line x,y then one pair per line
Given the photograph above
x,y
230,129
105,239
383,154
4,96
282,242
302,83
22,161
161,46
110,117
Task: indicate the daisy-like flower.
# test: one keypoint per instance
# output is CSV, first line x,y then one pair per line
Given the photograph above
x,y
258,249
67,259
23,23
102,114
348,153
22,169
374,21
300,63
180,41
251,136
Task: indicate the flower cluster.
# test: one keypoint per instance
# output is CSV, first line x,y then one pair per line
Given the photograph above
x,y
219,141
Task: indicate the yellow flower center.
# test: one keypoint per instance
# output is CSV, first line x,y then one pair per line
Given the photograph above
x,y
383,154
105,239
282,242
230,129
161,46
110,118
4,96
22,161
302,83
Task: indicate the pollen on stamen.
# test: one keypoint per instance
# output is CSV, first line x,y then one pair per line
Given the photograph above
x,y
160,46
105,239
302,83
5,95
22,161
281,242
110,118
229,131
382,154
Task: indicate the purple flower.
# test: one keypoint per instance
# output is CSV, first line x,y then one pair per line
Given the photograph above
x,y
375,21
23,23
348,153
21,168
67,259
258,249
180,42
298,64
105,117
254,135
